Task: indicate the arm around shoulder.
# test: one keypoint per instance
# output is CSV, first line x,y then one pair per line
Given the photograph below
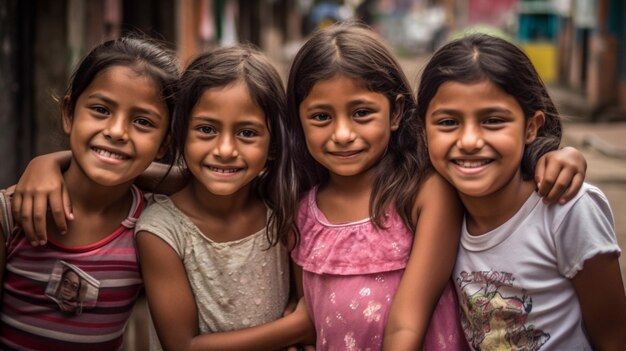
x,y
177,324
438,222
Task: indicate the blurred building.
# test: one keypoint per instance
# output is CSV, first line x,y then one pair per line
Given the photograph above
x,y
577,44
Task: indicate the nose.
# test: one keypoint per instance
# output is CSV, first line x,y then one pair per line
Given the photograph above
x,y
343,132
226,146
116,129
471,139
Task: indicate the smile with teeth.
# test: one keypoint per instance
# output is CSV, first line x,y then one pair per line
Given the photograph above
x,y
471,163
224,170
109,154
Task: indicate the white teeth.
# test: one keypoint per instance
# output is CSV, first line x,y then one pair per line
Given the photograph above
x,y
223,170
471,163
108,154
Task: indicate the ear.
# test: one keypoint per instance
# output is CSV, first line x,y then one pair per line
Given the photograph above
x,y
398,109
66,115
533,125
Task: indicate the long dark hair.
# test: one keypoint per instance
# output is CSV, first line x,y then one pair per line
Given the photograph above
x,y
355,51
222,67
478,57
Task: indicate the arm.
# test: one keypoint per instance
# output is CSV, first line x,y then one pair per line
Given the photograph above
x,y
177,324
161,178
42,184
560,174
603,303
429,267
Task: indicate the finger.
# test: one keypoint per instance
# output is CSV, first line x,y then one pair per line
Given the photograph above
x,y
560,186
16,206
40,207
67,204
26,222
572,190
10,190
548,179
540,169
58,212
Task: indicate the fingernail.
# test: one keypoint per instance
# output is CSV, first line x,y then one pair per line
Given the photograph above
x,y
34,243
42,242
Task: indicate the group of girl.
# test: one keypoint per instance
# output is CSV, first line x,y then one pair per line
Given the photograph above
x,y
349,174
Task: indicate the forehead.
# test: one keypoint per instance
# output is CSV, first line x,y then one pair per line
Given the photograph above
x,y
124,79
125,85
481,94
340,87
232,101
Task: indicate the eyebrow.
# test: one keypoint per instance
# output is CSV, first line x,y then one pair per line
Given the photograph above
x,y
238,124
487,110
110,101
350,103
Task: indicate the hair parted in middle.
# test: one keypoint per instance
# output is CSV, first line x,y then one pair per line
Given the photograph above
x,y
222,67
479,57
353,50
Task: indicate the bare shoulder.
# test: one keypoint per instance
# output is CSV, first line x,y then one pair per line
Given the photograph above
x,y
435,188
435,193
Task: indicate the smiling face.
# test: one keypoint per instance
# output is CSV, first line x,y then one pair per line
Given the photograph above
x,y
227,141
476,135
347,127
117,127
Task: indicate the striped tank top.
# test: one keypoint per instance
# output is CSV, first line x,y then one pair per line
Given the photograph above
x,y
78,298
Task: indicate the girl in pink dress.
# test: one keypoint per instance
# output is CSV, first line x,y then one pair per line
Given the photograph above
x,y
372,206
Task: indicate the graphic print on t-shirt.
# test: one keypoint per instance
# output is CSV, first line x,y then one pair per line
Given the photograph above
x,y
493,318
72,288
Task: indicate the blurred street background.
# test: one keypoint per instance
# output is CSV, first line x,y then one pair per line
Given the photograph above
x,y
578,47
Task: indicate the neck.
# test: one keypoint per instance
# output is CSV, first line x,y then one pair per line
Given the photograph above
x,y
89,196
491,211
352,185
218,205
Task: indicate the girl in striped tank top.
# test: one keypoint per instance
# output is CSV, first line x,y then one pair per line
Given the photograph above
x,y
77,290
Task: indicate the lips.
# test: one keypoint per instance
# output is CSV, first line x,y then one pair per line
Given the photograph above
x,y
224,170
349,153
472,163
111,154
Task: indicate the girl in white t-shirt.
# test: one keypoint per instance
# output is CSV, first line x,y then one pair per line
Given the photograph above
x,y
528,275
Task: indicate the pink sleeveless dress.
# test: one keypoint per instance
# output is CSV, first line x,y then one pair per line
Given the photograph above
x,y
351,272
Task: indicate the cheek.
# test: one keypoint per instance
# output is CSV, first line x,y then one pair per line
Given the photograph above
x,y
192,149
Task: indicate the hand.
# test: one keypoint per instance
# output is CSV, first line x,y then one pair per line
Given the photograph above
x,y
308,342
291,307
560,174
41,185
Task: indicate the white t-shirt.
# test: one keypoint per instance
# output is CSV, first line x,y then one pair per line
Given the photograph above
x,y
236,284
514,282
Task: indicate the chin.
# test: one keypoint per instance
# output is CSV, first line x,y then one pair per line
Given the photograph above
x,y
109,180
